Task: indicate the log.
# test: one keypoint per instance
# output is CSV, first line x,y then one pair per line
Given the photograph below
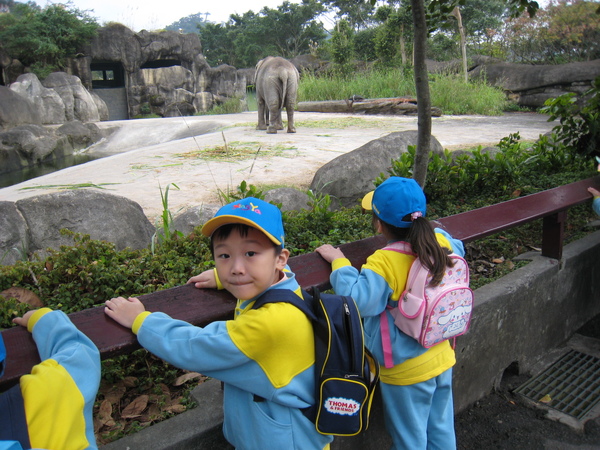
x,y
389,106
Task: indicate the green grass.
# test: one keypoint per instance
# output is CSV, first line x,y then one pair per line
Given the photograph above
x,y
448,92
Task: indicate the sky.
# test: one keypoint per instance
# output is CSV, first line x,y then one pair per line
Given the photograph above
x,y
157,14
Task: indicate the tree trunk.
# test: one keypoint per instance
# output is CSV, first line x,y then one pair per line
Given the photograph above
x,y
463,41
403,46
423,96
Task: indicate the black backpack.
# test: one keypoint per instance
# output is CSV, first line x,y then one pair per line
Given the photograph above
x,y
346,372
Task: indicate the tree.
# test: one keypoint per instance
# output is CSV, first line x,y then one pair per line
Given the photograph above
x,y
286,31
189,24
44,39
425,21
342,48
565,31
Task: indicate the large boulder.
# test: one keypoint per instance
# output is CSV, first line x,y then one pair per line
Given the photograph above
x,y
289,198
103,216
193,217
79,103
80,135
16,109
47,101
27,145
13,233
350,176
532,85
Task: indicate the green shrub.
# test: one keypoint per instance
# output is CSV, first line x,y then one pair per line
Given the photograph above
x,y
448,92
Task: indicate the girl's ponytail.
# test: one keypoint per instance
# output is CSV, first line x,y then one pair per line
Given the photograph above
x,y
424,243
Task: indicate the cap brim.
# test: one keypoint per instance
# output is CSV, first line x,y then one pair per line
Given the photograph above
x,y
367,201
209,227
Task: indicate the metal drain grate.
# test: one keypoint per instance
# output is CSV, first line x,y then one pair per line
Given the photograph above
x,y
571,385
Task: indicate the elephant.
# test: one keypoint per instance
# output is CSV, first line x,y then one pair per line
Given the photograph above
x,y
276,82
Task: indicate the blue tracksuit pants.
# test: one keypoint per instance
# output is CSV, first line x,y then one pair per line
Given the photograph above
x,y
421,416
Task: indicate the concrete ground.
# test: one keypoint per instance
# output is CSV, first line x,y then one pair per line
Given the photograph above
x,y
205,155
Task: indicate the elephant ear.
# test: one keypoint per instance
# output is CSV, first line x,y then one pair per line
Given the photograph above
x,y
258,65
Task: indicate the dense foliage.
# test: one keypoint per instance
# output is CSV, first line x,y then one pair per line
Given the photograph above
x,y
45,38
288,31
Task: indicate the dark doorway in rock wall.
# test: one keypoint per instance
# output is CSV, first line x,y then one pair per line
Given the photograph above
x,y
107,75
108,82
159,63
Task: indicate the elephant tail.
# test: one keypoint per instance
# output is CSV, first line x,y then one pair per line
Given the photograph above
x,y
284,87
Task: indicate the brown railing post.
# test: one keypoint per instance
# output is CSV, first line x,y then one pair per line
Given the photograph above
x,y
553,234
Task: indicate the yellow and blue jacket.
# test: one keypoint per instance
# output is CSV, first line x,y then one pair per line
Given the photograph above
x,y
51,408
379,284
265,358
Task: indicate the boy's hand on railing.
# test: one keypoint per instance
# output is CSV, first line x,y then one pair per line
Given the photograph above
x,y
205,280
124,310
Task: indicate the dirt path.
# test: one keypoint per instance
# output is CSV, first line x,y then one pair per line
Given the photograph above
x,y
190,152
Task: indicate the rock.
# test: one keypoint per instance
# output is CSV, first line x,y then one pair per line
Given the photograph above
x,y
103,216
193,217
13,233
80,135
49,104
16,110
27,145
531,85
290,199
349,177
79,104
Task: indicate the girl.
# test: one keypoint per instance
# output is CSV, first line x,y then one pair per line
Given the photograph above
x,y
417,389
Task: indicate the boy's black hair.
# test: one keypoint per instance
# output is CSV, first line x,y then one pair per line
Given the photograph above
x,y
224,231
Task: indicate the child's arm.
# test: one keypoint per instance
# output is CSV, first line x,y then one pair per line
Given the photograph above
x,y
329,253
124,310
596,203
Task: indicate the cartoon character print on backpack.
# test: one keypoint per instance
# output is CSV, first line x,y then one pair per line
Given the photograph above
x,y
452,321
453,303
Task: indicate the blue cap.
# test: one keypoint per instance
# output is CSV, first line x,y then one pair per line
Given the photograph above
x,y
249,211
2,355
394,199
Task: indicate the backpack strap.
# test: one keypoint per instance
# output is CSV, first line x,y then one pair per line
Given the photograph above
x,y
386,340
304,304
416,280
286,296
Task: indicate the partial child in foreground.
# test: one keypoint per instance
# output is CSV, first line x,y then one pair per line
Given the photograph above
x,y
264,356
417,390
51,408
596,194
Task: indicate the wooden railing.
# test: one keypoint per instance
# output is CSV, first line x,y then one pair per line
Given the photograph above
x,y
202,306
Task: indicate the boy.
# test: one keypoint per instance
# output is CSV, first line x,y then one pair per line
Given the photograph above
x,y
51,408
264,356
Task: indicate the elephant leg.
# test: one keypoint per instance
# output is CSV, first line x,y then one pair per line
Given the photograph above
x,y
289,108
263,114
291,128
274,120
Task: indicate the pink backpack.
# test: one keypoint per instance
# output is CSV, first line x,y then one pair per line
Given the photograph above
x,y
430,314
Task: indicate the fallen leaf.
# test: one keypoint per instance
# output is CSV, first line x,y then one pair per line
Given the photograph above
x,y
546,399
186,377
135,408
23,296
115,394
498,260
178,408
104,415
130,381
